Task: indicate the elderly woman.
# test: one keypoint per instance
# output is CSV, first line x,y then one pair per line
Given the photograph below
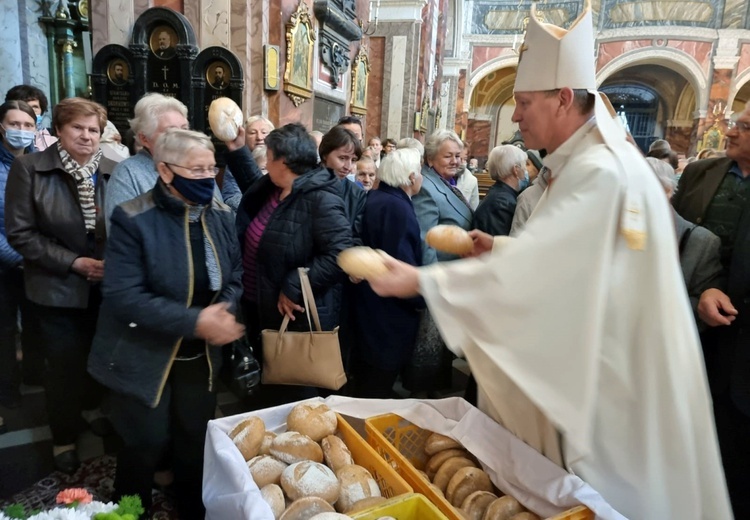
x,y
293,217
388,326
53,221
440,201
507,167
698,247
171,288
257,128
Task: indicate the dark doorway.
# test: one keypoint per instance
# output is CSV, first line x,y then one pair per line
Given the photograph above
x,y
639,106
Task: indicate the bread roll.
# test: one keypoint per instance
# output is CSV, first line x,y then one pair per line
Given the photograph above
x,y
336,453
224,118
330,516
362,262
476,504
525,516
266,469
316,420
366,503
504,508
306,508
437,442
310,479
274,497
291,447
450,239
448,469
434,462
465,482
265,445
356,484
248,435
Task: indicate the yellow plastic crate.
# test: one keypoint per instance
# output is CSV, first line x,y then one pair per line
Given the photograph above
x,y
407,507
390,482
401,443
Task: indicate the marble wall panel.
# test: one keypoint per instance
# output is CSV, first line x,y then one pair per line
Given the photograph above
x,y
396,71
461,121
177,5
33,45
611,50
120,20
734,13
99,17
482,54
258,30
679,138
376,55
192,11
239,43
701,51
139,6
744,62
478,134
11,72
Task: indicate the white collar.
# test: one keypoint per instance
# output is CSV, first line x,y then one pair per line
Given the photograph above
x,y
555,160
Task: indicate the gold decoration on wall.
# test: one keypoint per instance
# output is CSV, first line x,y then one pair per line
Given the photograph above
x,y
300,43
360,77
424,116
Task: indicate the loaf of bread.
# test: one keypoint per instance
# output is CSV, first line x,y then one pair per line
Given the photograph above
x,y
265,445
504,508
310,479
450,239
248,435
316,420
291,447
266,469
448,469
336,453
437,442
306,508
466,481
362,262
274,497
434,462
224,118
476,504
330,516
525,516
366,503
356,484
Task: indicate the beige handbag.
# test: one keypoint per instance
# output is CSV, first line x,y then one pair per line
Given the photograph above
x,y
303,358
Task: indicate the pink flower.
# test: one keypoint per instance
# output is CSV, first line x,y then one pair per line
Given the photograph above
x,y
74,496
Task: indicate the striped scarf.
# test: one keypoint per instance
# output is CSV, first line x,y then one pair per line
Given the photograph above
x,y
84,182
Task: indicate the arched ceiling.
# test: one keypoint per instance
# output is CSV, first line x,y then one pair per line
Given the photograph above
x,y
666,82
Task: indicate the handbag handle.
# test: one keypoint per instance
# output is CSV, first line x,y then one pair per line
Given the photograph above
x,y
309,300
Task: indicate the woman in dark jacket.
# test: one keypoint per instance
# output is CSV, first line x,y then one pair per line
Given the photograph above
x,y
388,326
293,217
172,284
52,221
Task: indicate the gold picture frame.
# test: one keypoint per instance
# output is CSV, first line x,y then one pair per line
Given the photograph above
x,y
300,44
360,77
713,138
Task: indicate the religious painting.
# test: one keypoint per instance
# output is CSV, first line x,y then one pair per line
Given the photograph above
x,y
118,72
300,43
713,138
162,41
360,75
217,75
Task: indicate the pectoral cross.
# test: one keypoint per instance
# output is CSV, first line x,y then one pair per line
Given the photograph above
x,y
165,69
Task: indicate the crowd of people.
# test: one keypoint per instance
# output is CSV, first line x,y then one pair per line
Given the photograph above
x,y
130,269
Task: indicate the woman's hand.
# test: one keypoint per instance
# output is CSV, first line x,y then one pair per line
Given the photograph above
x,y
217,325
482,242
239,141
90,268
401,280
287,307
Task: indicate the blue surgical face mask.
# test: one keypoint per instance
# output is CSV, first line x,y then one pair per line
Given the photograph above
x,y
19,139
199,191
524,183
39,120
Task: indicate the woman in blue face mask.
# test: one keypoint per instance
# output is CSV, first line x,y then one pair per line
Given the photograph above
x,y
17,124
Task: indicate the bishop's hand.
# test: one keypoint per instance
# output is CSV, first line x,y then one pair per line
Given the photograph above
x,y
401,280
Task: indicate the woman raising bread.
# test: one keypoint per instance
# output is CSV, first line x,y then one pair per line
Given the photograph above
x,y
170,293
54,220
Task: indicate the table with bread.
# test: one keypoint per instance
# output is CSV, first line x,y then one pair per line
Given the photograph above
x,y
307,460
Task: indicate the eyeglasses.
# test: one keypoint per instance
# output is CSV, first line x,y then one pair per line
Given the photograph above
x,y
729,124
198,172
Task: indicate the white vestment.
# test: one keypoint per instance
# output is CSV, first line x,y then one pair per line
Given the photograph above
x,y
567,329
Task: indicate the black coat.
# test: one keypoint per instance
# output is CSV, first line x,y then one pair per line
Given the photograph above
x,y
494,215
354,198
388,326
309,228
147,291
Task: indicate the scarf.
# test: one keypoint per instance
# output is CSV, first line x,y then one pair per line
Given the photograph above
x,y
84,182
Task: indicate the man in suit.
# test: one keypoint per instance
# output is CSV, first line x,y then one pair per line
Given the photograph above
x,y
219,82
165,50
715,193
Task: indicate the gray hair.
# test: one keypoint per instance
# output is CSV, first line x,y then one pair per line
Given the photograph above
x,y
255,119
436,140
664,172
259,152
410,142
503,159
149,110
396,167
175,143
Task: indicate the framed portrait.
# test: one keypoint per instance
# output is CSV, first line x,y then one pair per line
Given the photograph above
x,y
162,41
217,75
118,72
360,75
300,44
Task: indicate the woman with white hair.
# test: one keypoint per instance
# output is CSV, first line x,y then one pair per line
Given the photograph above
x,y
257,128
698,247
390,224
507,167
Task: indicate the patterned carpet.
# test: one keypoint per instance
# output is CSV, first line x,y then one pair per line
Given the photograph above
x,y
96,476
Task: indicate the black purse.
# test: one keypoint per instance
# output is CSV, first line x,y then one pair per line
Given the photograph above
x,y
241,371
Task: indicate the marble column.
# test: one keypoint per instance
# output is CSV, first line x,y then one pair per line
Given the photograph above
x,y
454,70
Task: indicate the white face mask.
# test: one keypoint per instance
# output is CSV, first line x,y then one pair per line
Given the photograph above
x,y
524,182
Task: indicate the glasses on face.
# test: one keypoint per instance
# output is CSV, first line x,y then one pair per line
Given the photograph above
x,y
198,172
740,126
